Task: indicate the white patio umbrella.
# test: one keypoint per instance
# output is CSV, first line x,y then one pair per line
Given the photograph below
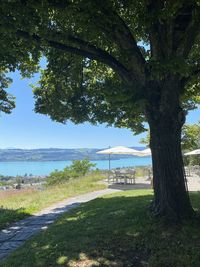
x,y
194,152
145,152
119,150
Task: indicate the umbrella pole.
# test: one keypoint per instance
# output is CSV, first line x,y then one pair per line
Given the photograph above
x,y
108,167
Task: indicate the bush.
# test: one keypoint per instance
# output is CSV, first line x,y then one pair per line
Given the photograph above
x,y
58,177
77,169
81,167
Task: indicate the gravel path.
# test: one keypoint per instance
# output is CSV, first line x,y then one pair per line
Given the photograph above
x,y
14,236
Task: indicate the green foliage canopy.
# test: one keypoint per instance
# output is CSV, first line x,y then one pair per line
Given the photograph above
x,y
101,55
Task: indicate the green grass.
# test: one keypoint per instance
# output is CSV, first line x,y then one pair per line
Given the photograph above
x,y
16,205
113,231
141,171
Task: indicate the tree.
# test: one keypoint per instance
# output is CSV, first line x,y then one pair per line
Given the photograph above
x,y
191,136
116,62
191,140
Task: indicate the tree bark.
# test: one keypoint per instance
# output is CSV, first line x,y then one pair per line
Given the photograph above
x,y
166,117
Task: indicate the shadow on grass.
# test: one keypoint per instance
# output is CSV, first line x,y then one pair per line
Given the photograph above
x,y
112,231
126,187
8,216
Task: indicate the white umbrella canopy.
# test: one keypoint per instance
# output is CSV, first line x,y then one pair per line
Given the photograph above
x,y
194,152
119,150
145,152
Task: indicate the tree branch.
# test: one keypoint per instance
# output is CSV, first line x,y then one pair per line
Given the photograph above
x,y
194,73
156,45
175,35
130,40
116,27
85,49
191,29
122,33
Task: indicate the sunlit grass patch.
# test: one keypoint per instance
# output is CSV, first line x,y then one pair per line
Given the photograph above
x,y
17,204
96,234
116,230
113,231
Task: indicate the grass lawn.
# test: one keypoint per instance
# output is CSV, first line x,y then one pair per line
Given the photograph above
x,y
113,231
17,204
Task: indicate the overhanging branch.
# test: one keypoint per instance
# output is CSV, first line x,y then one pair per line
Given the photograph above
x,y
114,26
85,49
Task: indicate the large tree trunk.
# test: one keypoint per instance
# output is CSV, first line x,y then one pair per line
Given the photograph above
x,y
166,118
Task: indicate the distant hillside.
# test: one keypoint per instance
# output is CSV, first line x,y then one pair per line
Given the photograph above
x,y
54,154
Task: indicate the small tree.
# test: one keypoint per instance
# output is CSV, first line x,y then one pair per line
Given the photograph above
x,y
190,137
190,141
19,182
81,167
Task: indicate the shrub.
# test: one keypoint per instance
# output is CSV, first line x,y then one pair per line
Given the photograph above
x,y
77,169
81,167
58,177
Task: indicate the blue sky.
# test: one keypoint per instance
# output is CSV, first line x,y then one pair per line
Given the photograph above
x,y
26,129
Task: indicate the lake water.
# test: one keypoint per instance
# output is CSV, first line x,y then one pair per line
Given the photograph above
x,y
44,168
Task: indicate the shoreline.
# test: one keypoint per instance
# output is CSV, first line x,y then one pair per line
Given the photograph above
x,y
41,168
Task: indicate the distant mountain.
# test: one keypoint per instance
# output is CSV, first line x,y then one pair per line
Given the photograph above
x,y
54,154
